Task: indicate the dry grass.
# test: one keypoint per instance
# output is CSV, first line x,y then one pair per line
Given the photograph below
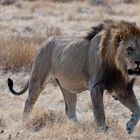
x,y
24,26
17,52
49,121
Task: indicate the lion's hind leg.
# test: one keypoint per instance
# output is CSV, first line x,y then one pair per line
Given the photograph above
x,y
39,78
35,88
34,92
70,103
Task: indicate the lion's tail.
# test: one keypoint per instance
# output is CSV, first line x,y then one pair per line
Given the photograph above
x,y
10,85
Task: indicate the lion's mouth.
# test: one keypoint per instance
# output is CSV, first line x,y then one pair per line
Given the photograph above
x,y
135,71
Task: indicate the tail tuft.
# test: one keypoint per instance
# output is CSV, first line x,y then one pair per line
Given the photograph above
x,y
10,83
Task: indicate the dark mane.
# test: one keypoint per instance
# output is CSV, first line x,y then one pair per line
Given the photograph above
x,y
123,26
98,28
94,30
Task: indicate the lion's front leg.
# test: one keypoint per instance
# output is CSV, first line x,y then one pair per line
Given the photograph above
x,y
98,107
128,99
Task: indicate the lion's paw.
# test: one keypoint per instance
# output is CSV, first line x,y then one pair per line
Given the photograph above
x,y
103,128
131,123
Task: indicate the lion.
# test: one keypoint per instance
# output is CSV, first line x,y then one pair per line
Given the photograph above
x,y
107,58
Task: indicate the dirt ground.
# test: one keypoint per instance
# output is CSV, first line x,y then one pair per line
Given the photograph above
x,y
43,19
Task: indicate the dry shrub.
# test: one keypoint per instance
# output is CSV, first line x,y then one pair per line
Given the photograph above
x,y
16,53
39,123
48,118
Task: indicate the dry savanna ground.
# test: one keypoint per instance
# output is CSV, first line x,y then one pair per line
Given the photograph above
x,y
24,25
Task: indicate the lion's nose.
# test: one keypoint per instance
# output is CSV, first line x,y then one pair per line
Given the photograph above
x,y
137,62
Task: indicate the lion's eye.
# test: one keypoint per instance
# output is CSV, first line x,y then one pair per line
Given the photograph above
x,y
130,50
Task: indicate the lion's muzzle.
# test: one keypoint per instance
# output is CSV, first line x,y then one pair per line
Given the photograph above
x,y
135,71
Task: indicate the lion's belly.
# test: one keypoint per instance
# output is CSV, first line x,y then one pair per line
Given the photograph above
x,y
74,84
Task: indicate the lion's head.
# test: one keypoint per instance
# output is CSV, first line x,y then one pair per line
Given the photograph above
x,y
120,47
128,56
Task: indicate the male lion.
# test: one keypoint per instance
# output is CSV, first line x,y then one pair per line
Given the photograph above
x,y
108,58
